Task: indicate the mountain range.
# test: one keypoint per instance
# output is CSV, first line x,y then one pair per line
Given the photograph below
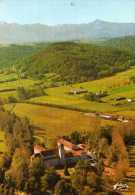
x,y
12,33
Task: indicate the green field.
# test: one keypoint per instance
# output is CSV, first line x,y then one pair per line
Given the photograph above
x,y
6,76
118,85
8,85
52,121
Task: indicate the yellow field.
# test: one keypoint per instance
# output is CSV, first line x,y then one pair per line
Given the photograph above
x,y
52,122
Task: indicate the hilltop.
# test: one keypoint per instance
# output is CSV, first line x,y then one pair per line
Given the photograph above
x,y
76,62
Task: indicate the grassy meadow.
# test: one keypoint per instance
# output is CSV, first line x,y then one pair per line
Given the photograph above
x,y
116,86
9,83
61,113
52,122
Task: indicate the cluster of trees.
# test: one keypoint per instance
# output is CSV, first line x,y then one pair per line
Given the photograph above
x,y
91,96
132,79
27,93
18,172
12,54
18,141
123,43
108,144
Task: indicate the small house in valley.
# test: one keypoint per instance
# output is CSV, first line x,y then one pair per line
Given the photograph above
x,y
77,91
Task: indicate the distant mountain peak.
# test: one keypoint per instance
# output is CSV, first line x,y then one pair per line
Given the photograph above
x,y
97,21
31,33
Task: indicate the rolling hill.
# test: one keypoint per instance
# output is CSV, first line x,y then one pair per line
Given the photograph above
x,y
76,62
10,54
30,33
123,43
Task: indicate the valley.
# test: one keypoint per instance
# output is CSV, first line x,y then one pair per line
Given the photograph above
x,y
67,97
80,93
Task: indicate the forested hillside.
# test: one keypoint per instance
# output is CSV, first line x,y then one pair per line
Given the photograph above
x,y
75,62
123,43
10,54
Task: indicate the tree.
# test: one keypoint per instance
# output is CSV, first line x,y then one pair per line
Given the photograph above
x,y
37,167
11,191
92,97
5,190
75,137
66,172
35,172
132,79
79,178
22,93
12,99
5,161
32,184
99,183
64,188
2,176
106,132
49,180
18,172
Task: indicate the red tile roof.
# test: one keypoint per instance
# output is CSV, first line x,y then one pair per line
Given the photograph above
x,y
74,149
38,149
67,144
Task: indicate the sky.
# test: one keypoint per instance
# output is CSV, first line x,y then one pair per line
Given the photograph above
x,y
53,12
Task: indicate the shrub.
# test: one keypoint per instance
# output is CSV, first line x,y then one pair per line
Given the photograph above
x,y
132,79
96,96
35,91
12,99
106,132
91,97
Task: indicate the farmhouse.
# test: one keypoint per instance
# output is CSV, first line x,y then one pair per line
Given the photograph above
x,y
131,100
76,150
77,91
64,152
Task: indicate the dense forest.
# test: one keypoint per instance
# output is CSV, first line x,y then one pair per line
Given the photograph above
x,y
123,43
10,54
71,61
76,62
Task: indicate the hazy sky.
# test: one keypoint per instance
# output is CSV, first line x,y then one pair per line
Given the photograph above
x,y
53,12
